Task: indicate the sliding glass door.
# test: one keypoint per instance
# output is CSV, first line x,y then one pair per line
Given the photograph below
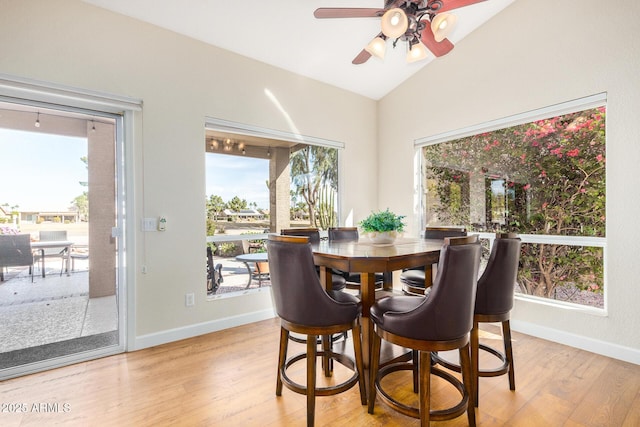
x,y
59,185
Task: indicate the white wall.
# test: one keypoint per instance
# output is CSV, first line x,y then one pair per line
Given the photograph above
x,y
533,54
181,81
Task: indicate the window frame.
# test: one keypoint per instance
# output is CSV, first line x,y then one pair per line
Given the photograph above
x,y
123,110
576,105
243,129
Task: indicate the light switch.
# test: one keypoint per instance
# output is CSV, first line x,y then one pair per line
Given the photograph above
x,y
149,224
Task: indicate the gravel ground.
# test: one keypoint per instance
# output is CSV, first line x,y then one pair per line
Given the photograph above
x,y
571,294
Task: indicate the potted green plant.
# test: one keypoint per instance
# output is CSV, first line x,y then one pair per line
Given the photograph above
x,y
383,226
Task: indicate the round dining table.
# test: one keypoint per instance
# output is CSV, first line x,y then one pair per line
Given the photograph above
x,y
369,258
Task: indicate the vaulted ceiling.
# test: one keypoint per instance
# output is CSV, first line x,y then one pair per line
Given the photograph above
x,y
285,34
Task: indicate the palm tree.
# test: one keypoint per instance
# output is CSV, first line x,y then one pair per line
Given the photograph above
x,y
312,168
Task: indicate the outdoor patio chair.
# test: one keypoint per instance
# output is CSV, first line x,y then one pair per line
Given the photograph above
x,y
214,274
52,235
248,246
78,252
260,272
15,251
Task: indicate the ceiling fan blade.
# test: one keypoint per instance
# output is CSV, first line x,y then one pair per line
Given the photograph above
x,y
456,4
348,12
437,48
361,58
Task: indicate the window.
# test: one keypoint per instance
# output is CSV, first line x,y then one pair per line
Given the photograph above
x,y
544,179
256,185
314,186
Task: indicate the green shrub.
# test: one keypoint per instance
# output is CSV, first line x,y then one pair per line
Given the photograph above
x,y
227,249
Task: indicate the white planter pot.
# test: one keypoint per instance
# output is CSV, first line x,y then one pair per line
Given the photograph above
x,y
380,237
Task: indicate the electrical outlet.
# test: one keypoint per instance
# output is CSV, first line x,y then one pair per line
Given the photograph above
x,y
190,300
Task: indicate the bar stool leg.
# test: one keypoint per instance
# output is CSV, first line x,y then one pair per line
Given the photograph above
x,y
424,387
311,379
467,379
373,369
282,358
475,363
416,371
508,351
357,350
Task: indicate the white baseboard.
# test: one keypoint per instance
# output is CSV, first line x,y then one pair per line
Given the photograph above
x,y
615,351
158,338
604,348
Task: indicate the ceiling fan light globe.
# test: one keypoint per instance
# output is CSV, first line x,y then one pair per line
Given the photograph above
x,y
418,52
377,47
442,25
394,23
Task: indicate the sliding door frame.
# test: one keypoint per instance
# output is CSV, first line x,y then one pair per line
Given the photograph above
x,y
122,110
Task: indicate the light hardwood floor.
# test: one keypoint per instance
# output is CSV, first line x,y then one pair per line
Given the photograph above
x,y
227,378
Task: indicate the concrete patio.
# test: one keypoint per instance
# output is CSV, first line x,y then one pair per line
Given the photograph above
x,y
58,308
235,276
51,309
53,316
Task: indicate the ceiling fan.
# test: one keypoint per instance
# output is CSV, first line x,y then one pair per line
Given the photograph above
x,y
423,24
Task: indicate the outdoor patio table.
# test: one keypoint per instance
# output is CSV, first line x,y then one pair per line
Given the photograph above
x,y
47,244
256,258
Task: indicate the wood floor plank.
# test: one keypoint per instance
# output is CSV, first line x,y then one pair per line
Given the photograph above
x,y
543,410
633,416
611,398
228,378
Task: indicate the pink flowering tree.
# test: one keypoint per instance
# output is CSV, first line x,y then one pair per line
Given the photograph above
x,y
553,177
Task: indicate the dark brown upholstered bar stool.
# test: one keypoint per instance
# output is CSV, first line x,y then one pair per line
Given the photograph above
x,y
413,279
338,282
350,234
441,321
311,232
494,301
305,308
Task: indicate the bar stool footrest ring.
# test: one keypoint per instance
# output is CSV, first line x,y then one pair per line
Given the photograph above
x,y
437,415
343,359
500,370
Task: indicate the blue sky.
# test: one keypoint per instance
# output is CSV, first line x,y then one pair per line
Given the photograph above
x,y
42,172
39,171
245,177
